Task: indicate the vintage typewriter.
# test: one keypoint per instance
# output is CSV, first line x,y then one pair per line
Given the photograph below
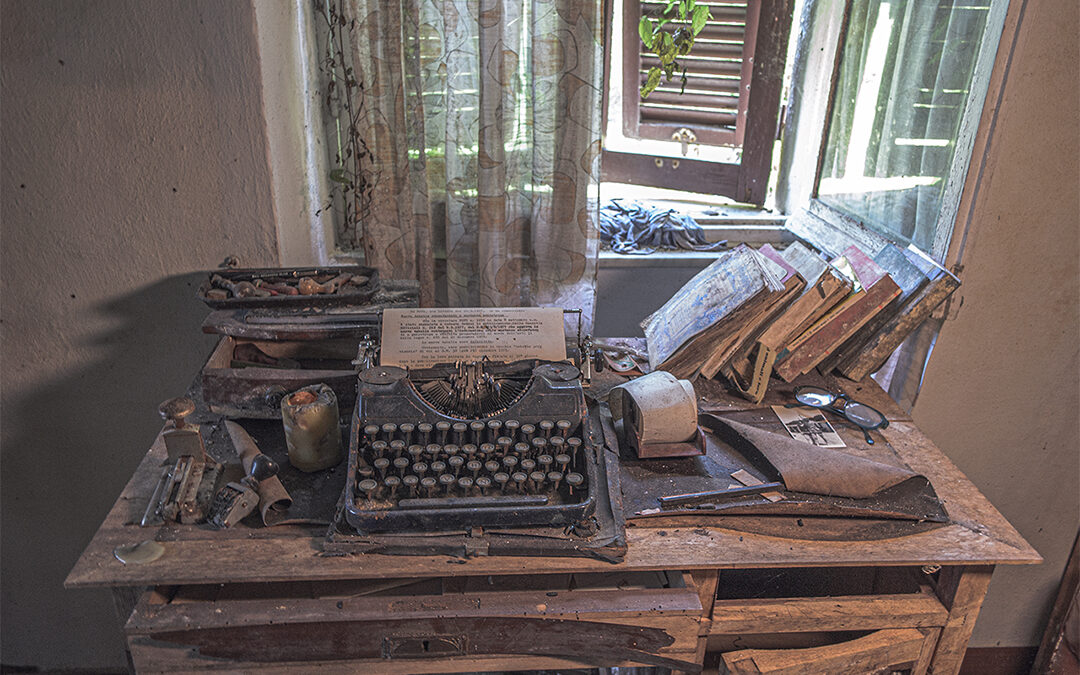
x,y
474,444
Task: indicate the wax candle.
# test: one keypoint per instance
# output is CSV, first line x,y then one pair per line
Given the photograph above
x,y
310,418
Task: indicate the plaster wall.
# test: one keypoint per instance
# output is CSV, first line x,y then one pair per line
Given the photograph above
x,y
133,154
1000,394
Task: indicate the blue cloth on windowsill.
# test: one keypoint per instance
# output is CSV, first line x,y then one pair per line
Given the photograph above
x,y
638,229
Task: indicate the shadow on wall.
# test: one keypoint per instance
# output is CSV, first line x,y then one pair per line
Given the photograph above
x,y
69,446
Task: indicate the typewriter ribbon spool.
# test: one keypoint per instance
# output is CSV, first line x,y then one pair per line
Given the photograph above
x,y
657,416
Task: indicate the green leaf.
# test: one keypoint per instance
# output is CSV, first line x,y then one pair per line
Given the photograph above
x,y
338,176
650,82
645,30
701,15
682,11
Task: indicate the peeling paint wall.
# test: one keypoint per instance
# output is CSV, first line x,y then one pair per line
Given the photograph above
x,y
133,154
1001,394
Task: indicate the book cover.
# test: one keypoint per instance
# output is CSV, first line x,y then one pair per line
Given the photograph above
x,y
874,290
713,295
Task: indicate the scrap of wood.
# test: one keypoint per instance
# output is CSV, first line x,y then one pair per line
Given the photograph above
x,y
750,480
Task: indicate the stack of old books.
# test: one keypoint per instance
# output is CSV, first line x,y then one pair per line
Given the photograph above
x,y
753,313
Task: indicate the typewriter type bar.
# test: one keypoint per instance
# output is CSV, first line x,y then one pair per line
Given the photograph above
x,y
470,445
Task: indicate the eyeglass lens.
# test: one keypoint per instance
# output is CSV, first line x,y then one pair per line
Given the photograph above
x,y
815,396
863,415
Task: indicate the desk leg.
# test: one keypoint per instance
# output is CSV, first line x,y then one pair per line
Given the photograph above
x,y
124,600
962,590
705,582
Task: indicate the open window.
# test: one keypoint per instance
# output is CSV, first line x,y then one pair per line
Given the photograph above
x,y
909,83
716,135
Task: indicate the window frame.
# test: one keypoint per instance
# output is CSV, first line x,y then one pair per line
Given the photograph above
x,y
947,225
745,181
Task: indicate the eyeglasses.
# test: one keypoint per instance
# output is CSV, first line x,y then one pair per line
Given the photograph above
x,y
859,414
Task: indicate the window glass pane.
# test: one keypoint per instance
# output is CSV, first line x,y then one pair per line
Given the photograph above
x,y
904,80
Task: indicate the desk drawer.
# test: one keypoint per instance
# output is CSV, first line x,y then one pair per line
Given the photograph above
x,y
413,626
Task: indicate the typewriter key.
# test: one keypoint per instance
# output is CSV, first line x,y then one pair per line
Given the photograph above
x,y
562,461
536,480
388,431
527,431
494,428
465,483
424,429
474,467
428,485
447,481
572,444
450,450
441,430
556,443
371,433
392,483
437,467
519,479
410,482
406,429
554,477
564,427
476,432
501,479
460,428
483,483
419,469
527,465
510,462
381,464
491,466
468,450
545,462
545,428
511,427
487,449
397,447
521,449
379,448
433,450
401,463
574,480
416,452
455,463
368,486
504,443
539,444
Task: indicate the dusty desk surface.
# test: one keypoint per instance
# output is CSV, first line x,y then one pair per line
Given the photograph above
x,y
976,535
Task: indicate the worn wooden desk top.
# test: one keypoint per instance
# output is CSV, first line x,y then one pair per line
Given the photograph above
x,y
977,535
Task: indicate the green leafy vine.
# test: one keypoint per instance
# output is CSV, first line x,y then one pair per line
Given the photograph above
x,y
670,34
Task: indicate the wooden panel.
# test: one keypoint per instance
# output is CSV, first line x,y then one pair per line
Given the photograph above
x,y
885,649
691,175
859,612
962,590
763,106
150,655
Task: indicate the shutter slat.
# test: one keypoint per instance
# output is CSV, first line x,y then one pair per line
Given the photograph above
x,y
689,100
686,117
726,87
703,66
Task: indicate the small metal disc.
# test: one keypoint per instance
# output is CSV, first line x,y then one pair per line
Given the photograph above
x,y
139,554
558,372
383,375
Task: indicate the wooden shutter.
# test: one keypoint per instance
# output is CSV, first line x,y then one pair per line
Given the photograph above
x,y
732,98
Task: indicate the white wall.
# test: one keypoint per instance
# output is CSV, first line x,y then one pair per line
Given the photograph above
x,y
133,154
1000,395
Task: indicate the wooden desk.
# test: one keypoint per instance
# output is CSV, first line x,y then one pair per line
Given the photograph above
x,y
278,586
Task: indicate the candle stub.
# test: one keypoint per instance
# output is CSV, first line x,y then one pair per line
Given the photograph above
x,y
310,418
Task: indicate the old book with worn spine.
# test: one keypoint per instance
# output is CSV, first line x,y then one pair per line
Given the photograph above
x,y
908,277
704,316
872,355
873,292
